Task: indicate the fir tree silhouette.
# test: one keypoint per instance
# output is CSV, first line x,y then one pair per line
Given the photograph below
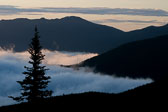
x,y
35,82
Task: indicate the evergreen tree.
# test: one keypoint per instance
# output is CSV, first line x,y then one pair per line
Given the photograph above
x,y
35,82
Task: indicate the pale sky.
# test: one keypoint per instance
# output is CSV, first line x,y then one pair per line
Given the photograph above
x,y
122,20
158,4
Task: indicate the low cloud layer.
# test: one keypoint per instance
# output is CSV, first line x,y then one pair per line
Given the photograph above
x,y
52,57
7,10
66,58
126,21
64,80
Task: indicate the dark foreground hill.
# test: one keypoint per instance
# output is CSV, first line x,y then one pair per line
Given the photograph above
x,y
70,34
150,95
142,59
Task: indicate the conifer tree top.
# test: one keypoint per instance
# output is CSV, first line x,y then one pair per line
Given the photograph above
x,y
35,83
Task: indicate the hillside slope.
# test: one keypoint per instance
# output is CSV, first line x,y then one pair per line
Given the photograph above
x,y
141,59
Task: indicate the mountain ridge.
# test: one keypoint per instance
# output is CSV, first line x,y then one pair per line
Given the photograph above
x,y
70,34
141,59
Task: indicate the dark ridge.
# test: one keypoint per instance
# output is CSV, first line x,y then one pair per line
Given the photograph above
x,y
141,59
66,34
70,34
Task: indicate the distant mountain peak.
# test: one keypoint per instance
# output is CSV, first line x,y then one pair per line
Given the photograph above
x,y
72,17
43,18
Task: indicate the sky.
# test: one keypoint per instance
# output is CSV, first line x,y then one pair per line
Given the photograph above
x,y
123,14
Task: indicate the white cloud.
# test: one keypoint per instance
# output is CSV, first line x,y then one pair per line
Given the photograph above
x,y
52,57
63,80
66,58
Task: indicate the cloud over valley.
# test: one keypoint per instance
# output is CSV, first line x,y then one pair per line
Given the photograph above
x,y
63,80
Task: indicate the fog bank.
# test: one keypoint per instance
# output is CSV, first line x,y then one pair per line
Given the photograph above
x,y
63,80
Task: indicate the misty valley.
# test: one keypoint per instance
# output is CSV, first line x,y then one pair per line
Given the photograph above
x,y
72,61
63,80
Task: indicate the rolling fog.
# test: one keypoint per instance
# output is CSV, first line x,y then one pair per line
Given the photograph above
x,y
63,80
